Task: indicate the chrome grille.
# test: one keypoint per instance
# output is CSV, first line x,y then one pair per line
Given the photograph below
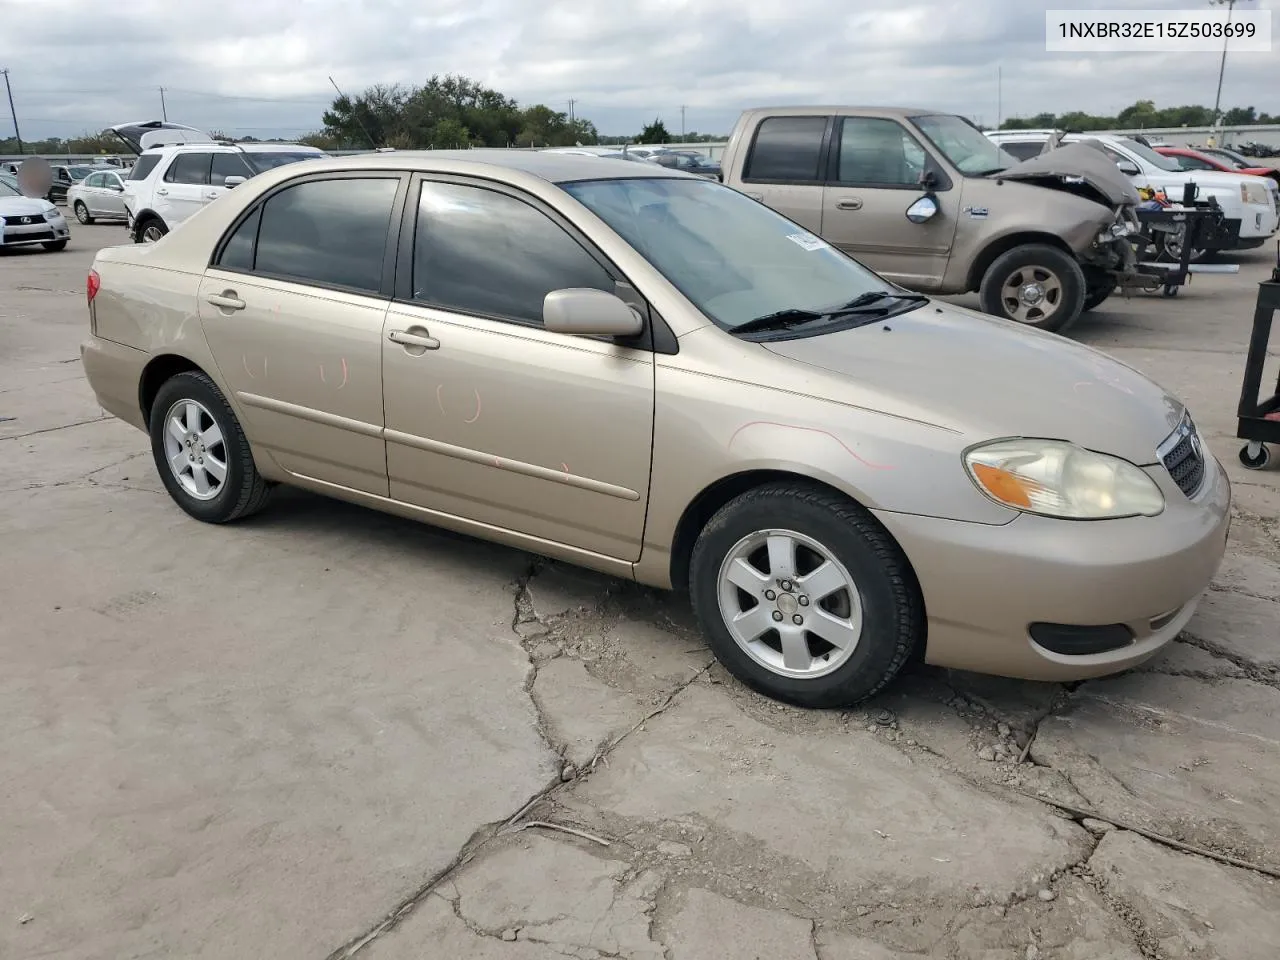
x,y
1183,456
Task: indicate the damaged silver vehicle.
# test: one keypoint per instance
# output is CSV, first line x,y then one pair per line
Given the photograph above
x,y
926,200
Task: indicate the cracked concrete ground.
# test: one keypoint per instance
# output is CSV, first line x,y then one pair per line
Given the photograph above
x,y
326,733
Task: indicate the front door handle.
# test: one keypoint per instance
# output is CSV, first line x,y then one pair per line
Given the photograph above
x,y
211,195
227,300
414,337
163,192
849,203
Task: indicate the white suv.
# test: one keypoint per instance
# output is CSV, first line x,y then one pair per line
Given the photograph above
x,y
1249,203
180,169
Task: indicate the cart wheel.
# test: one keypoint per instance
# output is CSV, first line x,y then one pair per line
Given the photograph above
x,y
1255,456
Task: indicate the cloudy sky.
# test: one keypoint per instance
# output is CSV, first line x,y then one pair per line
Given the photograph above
x,y
260,67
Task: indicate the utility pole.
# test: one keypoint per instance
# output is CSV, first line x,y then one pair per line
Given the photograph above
x,y
999,96
1222,69
164,113
12,112
682,134
571,103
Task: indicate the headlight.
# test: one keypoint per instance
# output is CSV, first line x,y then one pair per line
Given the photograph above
x,y
1253,193
1054,478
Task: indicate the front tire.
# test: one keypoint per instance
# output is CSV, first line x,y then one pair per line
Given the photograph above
x,y
804,597
201,452
1036,285
1099,286
54,246
82,213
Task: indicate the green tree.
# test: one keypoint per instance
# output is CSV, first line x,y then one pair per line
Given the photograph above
x,y
655,132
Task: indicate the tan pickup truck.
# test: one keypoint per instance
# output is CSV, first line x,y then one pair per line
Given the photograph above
x,y
927,201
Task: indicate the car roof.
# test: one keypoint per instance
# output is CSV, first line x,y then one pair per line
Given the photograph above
x,y
543,164
206,146
845,108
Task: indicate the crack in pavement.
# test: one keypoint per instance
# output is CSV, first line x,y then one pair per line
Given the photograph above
x,y
487,833
65,426
1258,673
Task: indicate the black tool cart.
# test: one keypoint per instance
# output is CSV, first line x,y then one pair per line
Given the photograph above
x,y
1259,417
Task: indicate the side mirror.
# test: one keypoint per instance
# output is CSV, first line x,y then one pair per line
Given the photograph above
x,y
116,187
923,209
233,182
585,312
1128,168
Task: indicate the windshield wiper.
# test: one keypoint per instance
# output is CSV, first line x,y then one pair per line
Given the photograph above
x,y
779,321
987,173
860,303
872,302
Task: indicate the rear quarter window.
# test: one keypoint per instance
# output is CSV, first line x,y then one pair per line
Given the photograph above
x,y
788,149
146,163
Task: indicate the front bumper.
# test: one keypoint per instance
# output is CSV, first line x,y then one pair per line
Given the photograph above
x,y
1257,221
985,585
41,231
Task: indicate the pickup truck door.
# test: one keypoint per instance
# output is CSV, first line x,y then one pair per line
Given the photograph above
x,y
874,176
783,167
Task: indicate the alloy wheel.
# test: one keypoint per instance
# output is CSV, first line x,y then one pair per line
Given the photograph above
x,y
195,449
790,604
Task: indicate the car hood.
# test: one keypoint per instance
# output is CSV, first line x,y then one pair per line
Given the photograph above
x,y
24,207
1076,160
989,378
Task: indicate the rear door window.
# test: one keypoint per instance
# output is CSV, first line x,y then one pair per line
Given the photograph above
x,y
877,152
787,149
328,232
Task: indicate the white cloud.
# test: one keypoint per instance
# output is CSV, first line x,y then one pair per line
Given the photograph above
x,y
77,66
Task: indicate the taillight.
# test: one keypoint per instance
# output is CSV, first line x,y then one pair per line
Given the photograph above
x,y
92,285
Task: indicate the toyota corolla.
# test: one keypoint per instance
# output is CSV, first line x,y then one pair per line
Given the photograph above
x,y
650,374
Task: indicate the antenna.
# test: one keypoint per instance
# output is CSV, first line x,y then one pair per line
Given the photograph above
x,y
355,113
164,114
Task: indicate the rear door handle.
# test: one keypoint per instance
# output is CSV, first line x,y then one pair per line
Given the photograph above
x,y
849,203
163,192
211,195
407,339
756,196
227,300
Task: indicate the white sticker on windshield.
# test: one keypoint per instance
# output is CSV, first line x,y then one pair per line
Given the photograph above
x,y
807,240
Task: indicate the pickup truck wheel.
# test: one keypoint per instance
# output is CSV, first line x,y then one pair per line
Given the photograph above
x,y
1038,285
803,596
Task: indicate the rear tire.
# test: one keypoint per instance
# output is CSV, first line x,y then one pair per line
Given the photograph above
x,y
55,246
82,213
1036,285
201,452
843,580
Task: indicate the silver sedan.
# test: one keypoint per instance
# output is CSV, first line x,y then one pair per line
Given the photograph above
x,y
99,196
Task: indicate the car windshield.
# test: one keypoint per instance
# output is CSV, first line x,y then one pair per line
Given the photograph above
x,y
262,160
1159,161
968,150
732,257
9,187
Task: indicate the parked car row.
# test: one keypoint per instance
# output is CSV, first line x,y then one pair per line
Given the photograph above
x,y
29,221
690,161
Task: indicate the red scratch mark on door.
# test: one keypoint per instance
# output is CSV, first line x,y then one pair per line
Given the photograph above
x,y
322,380
791,426
564,467
344,374
244,359
477,414
439,398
